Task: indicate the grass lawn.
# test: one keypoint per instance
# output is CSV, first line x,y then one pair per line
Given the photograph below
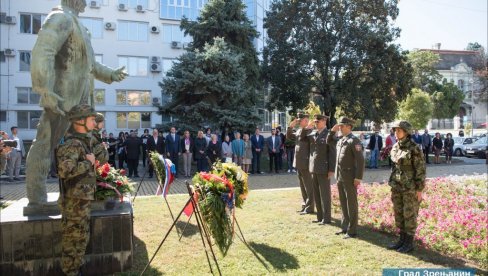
x,y
280,240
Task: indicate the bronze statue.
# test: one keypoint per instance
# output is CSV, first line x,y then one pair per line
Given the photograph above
x,y
63,69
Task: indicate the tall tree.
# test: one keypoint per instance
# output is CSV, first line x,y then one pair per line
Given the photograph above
x,y
227,19
341,50
424,72
446,99
208,88
417,109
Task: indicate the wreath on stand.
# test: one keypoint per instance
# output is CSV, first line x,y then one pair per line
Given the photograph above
x,y
165,171
111,183
218,193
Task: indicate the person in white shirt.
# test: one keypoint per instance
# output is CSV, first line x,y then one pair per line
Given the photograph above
x,y
15,156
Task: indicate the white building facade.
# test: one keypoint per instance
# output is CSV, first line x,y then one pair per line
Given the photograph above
x,y
142,35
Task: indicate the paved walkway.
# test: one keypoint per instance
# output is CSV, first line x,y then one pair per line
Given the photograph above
x,y
12,191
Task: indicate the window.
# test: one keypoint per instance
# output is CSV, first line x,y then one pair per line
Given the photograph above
x,y
133,98
176,9
173,32
2,56
24,60
133,120
25,95
99,96
31,23
94,26
167,64
28,119
3,116
133,31
134,3
99,58
135,66
461,85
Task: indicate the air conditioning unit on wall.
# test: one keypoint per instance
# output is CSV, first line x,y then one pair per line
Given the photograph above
x,y
110,26
140,8
155,59
9,52
94,4
11,20
156,67
122,7
155,29
176,45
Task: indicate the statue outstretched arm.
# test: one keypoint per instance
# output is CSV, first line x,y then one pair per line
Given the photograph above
x,y
55,30
107,74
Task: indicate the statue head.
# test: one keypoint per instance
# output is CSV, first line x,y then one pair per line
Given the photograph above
x,y
77,5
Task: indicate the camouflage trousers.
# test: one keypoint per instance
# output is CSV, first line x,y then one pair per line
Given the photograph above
x,y
75,227
405,208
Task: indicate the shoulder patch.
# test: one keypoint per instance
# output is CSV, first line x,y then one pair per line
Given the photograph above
x,y
359,147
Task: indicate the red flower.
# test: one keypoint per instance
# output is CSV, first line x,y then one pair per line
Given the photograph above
x,y
106,167
122,172
97,163
104,174
119,183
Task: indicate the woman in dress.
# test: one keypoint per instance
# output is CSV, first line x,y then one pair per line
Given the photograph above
x,y
121,151
214,149
247,157
449,147
227,150
201,152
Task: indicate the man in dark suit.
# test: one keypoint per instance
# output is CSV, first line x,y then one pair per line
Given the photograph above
x,y
322,166
349,171
375,145
173,149
301,160
154,143
257,145
417,138
274,145
144,138
133,146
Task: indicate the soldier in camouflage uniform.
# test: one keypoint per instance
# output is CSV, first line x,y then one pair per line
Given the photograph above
x,y
75,163
99,147
407,181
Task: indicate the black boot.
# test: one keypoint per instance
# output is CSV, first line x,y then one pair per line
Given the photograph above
x,y
399,243
407,245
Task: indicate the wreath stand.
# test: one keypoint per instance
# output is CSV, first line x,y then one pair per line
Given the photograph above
x,y
204,235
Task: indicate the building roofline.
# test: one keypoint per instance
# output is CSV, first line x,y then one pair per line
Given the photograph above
x,y
453,52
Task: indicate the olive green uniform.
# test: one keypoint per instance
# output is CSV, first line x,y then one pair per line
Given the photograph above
x,y
78,184
407,178
322,161
349,166
301,163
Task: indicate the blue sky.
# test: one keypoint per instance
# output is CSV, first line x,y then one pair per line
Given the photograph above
x,y
453,23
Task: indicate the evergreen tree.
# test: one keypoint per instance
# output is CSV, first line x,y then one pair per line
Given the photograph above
x,y
227,19
208,89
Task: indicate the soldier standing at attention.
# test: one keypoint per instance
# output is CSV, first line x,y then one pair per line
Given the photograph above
x,y
407,181
349,173
76,162
301,160
322,165
99,147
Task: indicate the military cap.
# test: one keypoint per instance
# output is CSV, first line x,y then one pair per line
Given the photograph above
x,y
345,121
99,118
301,115
319,117
406,126
81,111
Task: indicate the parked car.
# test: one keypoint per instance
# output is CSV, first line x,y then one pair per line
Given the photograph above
x,y
460,144
478,148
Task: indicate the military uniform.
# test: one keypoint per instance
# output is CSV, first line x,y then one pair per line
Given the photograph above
x,y
301,163
322,161
407,178
78,184
99,149
349,167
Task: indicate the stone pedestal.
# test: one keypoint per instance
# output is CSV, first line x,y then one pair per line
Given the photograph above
x,y
31,245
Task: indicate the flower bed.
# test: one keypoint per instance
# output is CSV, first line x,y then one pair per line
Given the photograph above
x,y
453,217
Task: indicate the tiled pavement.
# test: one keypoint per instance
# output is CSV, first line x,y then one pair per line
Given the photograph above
x,y
16,190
